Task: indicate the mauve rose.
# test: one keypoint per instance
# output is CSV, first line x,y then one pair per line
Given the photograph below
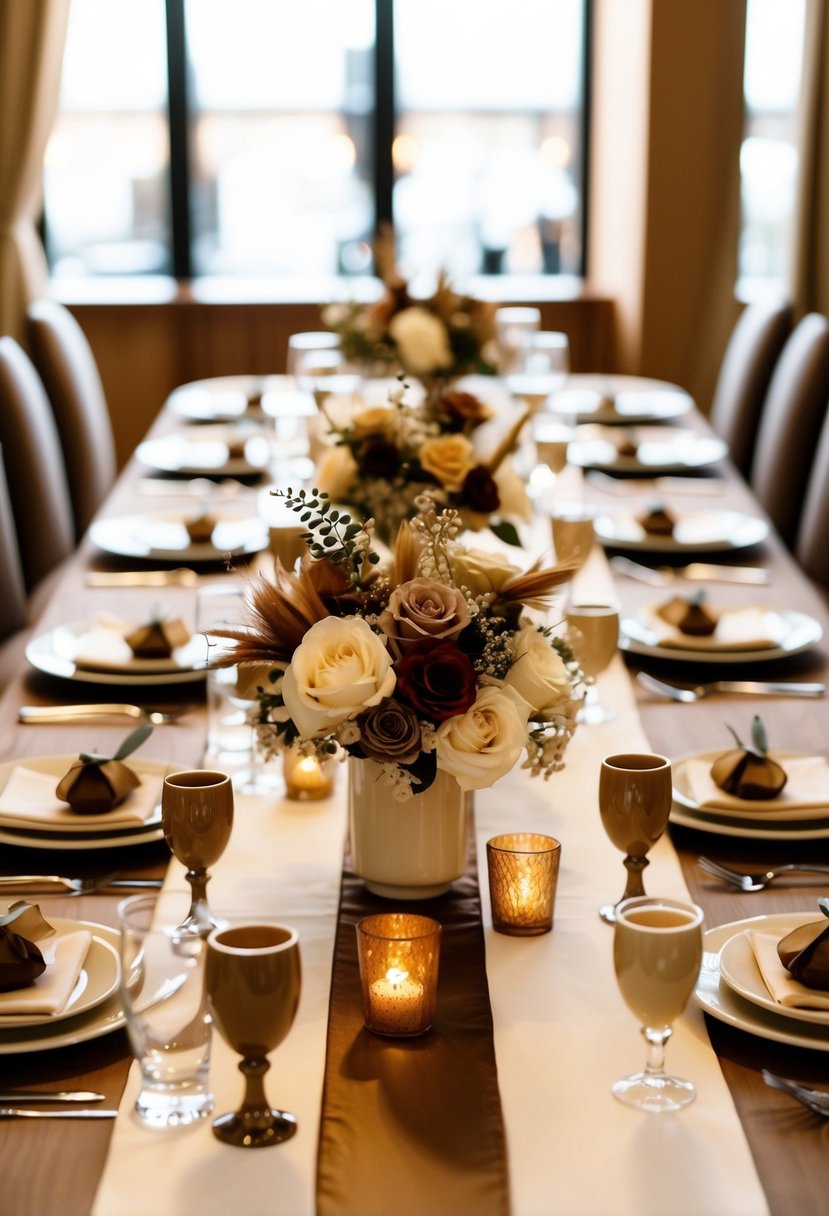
x,y
379,458
479,491
424,608
436,679
390,731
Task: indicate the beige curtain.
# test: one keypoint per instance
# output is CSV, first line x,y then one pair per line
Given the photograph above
x,y
32,35
810,252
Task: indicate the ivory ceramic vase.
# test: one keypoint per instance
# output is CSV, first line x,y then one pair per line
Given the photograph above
x,y
406,850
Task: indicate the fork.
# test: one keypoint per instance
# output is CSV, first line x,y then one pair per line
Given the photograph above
x,y
707,572
182,576
74,713
751,688
55,884
755,882
816,1099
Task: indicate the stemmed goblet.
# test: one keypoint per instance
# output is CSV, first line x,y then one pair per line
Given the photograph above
x,y
657,951
634,802
593,632
197,816
253,981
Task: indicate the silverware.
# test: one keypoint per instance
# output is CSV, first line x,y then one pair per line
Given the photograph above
x,y
182,576
194,487
666,484
749,688
78,713
46,1095
19,1112
817,1100
755,882
56,884
708,572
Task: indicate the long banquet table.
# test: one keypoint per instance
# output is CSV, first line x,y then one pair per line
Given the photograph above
x,y
561,1032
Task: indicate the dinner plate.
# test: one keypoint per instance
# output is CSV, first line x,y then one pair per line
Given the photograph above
x,y
738,967
55,653
658,450
225,398
97,979
749,829
620,400
719,1000
101,1020
210,450
801,632
755,812
162,536
715,531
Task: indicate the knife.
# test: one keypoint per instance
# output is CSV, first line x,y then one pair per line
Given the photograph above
x,y
19,1112
723,574
58,1095
182,576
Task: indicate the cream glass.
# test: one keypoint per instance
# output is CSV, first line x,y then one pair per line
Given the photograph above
x,y
573,534
657,952
593,633
635,792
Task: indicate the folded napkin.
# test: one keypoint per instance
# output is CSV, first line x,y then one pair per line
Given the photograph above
x,y
737,629
28,799
103,647
807,787
782,986
49,993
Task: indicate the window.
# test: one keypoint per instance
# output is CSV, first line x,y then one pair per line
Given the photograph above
x,y
296,124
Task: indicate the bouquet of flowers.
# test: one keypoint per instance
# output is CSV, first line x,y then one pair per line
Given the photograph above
x,y
385,457
435,663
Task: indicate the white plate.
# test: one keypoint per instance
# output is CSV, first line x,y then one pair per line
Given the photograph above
x,y
715,996
162,536
83,834
802,633
755,812
714,531
52,652
97,980
101,1020
749,829
620,400
738,967
224,398
206,451
659,450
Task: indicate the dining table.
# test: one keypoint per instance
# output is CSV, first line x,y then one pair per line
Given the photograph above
x,y
505,1105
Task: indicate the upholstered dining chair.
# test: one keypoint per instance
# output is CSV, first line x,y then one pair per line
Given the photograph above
x,y
35,471
13,614
67,367
812,542
743,379
790,424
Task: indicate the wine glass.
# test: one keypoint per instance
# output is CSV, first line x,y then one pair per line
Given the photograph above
x,y
197,816
593,632
657,951
539,368
252,981
514,326
634,801
573,532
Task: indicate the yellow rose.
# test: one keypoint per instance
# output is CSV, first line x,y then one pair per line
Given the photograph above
x,y
336,472
448,458
377,420
480,571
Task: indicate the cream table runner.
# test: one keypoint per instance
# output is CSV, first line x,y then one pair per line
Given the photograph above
x,y
562,1032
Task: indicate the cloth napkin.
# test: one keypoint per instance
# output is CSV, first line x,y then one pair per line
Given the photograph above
x,y
782,986
807,787
737,629
103,647
28,799
51,990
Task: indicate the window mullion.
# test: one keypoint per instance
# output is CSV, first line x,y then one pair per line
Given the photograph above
x,y
179,120
384,111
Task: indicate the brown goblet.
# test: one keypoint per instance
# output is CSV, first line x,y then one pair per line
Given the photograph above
x,y
197,816
635,793
252,981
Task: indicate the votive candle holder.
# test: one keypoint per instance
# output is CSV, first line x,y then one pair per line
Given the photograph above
x,y
306,777
398,955
523,874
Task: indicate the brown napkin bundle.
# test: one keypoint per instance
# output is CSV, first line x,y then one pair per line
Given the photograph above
x,y
627,446
95,784
748,772
158,638
657,520
21,961
805,951
690,615
200,527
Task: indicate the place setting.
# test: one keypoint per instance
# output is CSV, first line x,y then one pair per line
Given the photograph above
x,y
206,535
221,450
617,400
226,398
660,529
644,449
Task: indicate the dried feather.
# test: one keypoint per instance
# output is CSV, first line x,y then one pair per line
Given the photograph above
x,y
406,554
281,612
508,443
535,586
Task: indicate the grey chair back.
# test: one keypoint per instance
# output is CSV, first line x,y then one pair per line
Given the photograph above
x,y
793,414
812,543
67,367
35,470
744,375
13,616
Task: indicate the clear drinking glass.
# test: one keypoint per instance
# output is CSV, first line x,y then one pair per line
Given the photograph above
x,y
593,633
539,368
657,952
635,792
514,326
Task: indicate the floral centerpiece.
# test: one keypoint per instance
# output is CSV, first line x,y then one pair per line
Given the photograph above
x,y
385,457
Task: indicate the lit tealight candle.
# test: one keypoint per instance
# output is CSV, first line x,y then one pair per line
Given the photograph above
x,y
397,1002
523,870
306,779
398,954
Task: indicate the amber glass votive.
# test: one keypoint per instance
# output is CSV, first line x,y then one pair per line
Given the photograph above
x,y
523,872
306,777
398,953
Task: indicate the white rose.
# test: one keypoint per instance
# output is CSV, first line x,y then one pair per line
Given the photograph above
x,y
336,472
422,341
340,668
483,744
480,571
512,492
538,674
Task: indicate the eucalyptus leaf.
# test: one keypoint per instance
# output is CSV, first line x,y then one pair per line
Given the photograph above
x,y
506,532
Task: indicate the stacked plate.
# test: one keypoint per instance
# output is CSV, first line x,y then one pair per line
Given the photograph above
x,y
788,633
645,449
714,531
163,537
69,651
231,450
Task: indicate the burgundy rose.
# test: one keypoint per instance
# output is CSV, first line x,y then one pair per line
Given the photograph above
x,y
379,458
390,731
479,491
436,678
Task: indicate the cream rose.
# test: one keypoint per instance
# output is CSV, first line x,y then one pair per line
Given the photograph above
x,y
483,744
480,571
538,674
376,420
340,668
424,608
448,458
512,491
336,472
422,341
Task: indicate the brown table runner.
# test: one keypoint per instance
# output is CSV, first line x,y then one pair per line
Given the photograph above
x,y
413,1126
